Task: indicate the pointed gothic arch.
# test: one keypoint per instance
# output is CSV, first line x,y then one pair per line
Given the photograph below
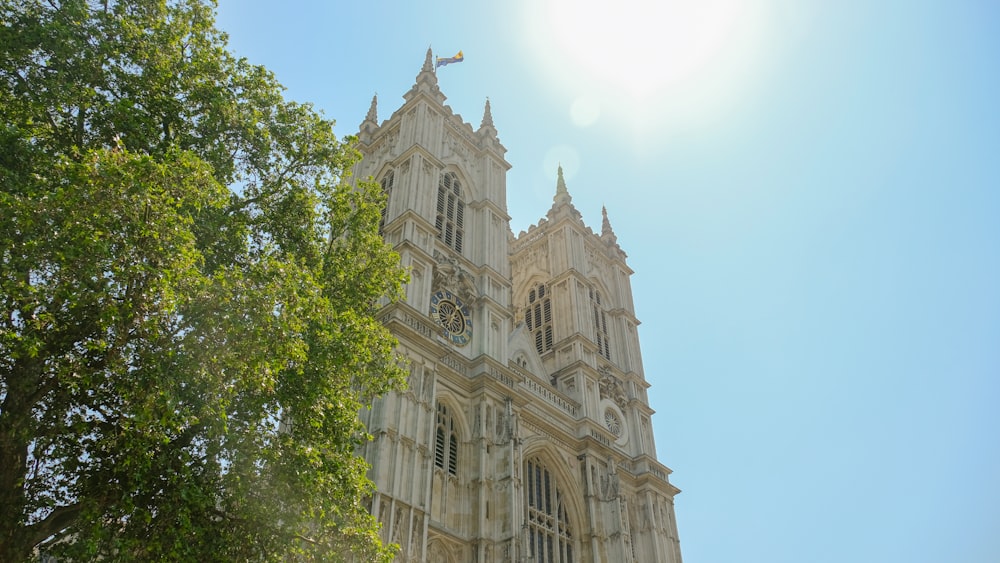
x,y
446,442
449,461
520,293
607,295
439,552
553,515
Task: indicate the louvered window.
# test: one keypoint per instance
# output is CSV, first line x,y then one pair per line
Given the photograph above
x,y
450,218
538,317
600,325
445,441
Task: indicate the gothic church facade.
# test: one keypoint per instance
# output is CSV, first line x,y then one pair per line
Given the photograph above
x,y
525,432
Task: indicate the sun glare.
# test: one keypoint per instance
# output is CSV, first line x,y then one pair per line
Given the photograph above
x,y
644,60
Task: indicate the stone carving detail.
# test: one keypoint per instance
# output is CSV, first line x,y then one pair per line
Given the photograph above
x,y
647,518
612,388
537,256
437,552
450,275
418,532
506,425
457,147
383,514
428,390
613,422
388,144
415,388
398,526
610,483
570,384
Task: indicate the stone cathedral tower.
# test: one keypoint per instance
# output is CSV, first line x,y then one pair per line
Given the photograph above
x,y
525,432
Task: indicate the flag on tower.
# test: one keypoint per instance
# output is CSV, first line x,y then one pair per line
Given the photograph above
x,y
441,61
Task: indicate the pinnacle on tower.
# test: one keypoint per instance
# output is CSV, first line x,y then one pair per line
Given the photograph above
x,y
427,82
606,232
370,124
487,132
373,110
562,194
562,203
487,116
428,61
427,70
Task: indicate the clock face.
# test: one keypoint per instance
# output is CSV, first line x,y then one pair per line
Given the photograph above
x,y
449,311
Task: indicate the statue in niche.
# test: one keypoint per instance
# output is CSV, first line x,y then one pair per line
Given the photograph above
x,y
428,385
611,484
505,423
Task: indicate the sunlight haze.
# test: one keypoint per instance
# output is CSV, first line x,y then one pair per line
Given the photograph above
x,y
809,195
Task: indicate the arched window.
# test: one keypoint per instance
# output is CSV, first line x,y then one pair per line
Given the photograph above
x,y
600,325
445,441
386,183
450,220
550,536
538,317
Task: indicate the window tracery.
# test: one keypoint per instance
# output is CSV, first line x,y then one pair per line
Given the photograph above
x,y
550,535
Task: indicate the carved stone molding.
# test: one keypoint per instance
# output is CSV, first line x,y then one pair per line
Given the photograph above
x,y
612,388
451,276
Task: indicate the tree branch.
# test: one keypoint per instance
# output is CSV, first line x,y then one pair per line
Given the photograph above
x,y
58,520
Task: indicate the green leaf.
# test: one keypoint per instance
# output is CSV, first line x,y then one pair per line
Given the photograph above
x,y
188,291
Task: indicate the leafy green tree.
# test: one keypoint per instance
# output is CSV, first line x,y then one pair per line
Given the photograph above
x,y
187,298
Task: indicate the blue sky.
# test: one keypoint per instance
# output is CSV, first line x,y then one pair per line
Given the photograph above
x,y
809,193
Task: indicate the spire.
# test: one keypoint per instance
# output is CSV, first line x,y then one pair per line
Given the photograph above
x,y
562,194
428,61
562,203
373,110
487,132
427,82
487,116
370,124
427,70
606,232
